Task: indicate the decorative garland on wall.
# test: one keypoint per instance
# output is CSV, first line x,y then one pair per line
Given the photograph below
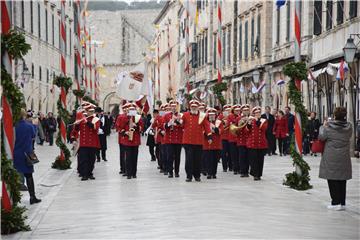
x,y
218,88
12,220
298,179
62,161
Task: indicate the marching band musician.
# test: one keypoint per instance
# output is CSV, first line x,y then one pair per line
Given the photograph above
x,y
164,145
131,129
241,141
119,120
158,127
173,138
87,131
194,125
256,142
233,117
225,152
212,151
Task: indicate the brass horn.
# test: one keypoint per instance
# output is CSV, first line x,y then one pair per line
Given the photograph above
x,y
233,129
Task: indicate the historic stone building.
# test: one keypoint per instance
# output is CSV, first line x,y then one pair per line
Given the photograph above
x,y
40,21
124,37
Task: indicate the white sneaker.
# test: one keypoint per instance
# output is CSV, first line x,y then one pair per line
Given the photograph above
x,y
335,207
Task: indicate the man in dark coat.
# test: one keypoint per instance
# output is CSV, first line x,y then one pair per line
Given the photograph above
x,y
102,132
269,131
51,127
291,121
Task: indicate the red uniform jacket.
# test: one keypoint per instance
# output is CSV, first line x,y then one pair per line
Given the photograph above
x,y
280,128
233,120
124,127
173,134
242,135
257,135
120,118
193,131
216,139
225,134
158,126
88,136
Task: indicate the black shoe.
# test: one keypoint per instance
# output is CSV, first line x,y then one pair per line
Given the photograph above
x,y
246,175
158,167
166,173
161,171
121,172
84,178
204,173
275,154
214,177
105,160
134,176
98,160
34,200
230,169
124,174
280,154
208,177
257,178
177,175
92,177
153,160
188,180
242,175
170,175
235,173
128,177
23,188
198,179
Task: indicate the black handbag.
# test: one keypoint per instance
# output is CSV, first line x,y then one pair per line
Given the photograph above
x,y
31,158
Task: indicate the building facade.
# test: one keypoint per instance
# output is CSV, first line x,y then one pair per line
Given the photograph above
x,y
124,38
40,23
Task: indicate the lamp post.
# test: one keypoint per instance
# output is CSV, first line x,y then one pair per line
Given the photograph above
x,y
350,50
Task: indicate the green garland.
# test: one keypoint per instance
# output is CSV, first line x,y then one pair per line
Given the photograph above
x,y
218,88
62,164
90,100
12,221
78,94
297,71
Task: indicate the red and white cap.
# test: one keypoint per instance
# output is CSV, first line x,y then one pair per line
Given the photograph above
x,y
211,111
173,103
236,107
226,107
194,103
132,106
125,106
256,109
245,107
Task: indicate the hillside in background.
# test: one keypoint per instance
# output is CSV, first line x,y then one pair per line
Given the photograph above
x,y
121,5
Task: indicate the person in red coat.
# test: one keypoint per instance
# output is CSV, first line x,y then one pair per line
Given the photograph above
x,y
86,130
281,131
212,150
118,122
158,125
194,125
241,141
173,138
225,152
234,154
256,142
131,130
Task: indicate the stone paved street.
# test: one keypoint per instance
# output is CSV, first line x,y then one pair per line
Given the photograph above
x,y
153,206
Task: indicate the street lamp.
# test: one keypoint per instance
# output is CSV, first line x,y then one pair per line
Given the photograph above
x,y
256,76
26,74
349,50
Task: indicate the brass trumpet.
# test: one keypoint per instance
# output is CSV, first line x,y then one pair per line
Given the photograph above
x,y
233,129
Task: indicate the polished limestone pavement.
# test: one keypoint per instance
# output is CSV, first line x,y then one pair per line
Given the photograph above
x,y
154,206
